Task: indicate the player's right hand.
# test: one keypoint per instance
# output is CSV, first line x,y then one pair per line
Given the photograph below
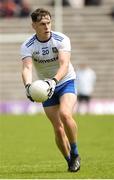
x,y
27,86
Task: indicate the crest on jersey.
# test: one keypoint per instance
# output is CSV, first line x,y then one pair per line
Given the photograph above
x,y
54,49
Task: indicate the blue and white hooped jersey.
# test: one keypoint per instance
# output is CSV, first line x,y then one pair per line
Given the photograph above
x,y
45,55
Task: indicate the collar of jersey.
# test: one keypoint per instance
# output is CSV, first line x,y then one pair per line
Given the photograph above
x,y
44,41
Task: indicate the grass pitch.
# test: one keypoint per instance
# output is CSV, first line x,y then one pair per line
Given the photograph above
x,y
28,150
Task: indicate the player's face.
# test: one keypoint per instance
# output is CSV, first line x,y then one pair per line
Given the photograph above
x,y
43,28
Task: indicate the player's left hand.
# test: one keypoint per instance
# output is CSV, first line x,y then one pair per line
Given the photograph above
x,y
52,84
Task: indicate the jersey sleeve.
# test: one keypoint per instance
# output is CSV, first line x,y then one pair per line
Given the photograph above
x,y
65,45
25,51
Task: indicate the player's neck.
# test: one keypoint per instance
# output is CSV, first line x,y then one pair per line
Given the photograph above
x,y
43,38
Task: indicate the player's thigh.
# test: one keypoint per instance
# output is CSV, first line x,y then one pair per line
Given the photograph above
x,y
52,113
67,102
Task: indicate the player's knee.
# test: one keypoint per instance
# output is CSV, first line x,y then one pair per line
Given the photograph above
x,y
65,115
67,119
59,131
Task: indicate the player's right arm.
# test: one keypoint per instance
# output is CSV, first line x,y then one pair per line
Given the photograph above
x,y
27,70
26,55
27,75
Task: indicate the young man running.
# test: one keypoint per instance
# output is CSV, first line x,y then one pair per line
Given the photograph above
x,y
49,51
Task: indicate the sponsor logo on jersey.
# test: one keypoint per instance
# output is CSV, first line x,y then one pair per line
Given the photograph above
x,y
46,60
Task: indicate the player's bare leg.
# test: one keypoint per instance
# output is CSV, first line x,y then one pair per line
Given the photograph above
x,y
66,141
67,103
60,135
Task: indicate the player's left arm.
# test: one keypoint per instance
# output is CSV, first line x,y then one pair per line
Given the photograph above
x,y
64,59
64,54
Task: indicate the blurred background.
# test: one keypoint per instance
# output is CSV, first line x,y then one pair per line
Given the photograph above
x,y
89,24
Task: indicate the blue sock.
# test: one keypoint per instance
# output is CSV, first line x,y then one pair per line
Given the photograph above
x,y
67,158
74,149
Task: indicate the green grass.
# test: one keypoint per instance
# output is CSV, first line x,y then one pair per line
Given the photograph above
x,y
28,150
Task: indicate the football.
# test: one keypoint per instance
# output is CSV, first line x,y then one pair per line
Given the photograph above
x,y
39,90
